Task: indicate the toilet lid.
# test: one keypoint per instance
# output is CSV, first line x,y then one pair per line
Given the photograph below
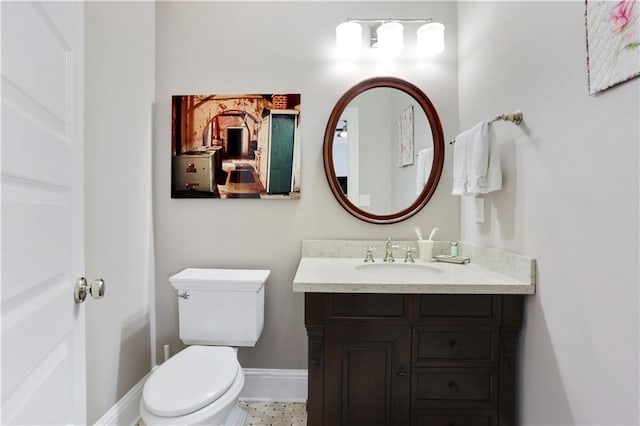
x,y
190,380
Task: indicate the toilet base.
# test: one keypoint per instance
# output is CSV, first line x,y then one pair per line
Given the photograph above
x,y
236,417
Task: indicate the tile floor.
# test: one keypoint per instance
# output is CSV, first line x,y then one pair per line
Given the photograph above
x,y
275,413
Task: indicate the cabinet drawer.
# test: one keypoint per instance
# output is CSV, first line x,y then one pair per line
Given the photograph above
x,y
453,418
453,345
473,306
437,385
367,306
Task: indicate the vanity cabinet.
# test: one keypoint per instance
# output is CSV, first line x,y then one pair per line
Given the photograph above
x,y
412,359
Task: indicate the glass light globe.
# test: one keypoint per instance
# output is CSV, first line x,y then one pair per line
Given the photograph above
x,y
431,39
390,38
348,39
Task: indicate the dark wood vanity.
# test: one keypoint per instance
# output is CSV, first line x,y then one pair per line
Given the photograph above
x,y
412,359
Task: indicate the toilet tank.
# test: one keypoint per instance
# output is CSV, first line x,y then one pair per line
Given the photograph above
x,y
220,306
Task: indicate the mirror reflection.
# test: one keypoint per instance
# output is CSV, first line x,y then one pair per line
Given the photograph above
x,y
382,150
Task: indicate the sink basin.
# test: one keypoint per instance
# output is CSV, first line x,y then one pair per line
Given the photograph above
x,y
398,270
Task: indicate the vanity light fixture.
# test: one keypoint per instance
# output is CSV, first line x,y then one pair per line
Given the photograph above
x,y
388,36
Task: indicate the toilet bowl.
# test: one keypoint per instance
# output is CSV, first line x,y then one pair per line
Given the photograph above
x,y
218,309
198,386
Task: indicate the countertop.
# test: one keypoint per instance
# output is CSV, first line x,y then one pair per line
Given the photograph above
x,y
493,272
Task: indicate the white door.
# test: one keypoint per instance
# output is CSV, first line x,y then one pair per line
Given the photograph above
x,y
43,361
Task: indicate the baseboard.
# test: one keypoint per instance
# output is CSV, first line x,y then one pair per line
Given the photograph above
x,y
260,385
127,410
274,385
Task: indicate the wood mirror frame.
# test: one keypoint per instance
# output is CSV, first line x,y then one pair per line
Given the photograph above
x,y
438,149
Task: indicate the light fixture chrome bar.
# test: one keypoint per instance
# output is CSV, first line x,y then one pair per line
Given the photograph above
x,y
364,20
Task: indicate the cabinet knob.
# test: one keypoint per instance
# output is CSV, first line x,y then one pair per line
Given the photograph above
x,y
453,387
454,346
401,372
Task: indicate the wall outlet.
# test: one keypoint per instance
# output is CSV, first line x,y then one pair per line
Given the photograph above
x,y
479,204
364,200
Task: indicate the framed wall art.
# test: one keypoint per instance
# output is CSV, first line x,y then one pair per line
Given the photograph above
x,y
235,146
613,43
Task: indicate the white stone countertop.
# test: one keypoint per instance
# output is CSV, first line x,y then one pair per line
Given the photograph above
x,y
341,269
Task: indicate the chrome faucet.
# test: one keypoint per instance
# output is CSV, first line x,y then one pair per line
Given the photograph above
x,y
388,251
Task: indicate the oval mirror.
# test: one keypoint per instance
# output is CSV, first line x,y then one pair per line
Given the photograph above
x,y
383,150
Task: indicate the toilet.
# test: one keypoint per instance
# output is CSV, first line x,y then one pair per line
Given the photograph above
x,y
218,311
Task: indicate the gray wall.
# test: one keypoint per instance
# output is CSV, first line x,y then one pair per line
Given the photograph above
x,y
119,89
264,47
570,199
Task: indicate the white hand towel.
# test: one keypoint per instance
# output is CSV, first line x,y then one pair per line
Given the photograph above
x,y
423,168
476,162
462,151
477,158
494,170
460,165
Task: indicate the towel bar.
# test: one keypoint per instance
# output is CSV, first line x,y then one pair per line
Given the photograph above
x,y
515,117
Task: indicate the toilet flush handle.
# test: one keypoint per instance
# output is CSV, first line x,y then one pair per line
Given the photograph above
x,y
184,295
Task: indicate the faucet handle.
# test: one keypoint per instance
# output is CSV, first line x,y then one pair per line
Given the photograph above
x,y
368,254
409,254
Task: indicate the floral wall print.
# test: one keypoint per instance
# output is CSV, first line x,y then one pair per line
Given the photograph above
x,y
613,42
405,136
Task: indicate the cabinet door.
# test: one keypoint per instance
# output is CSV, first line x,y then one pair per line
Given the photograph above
x,y
367,375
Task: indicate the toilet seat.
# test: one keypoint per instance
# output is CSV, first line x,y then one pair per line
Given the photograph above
x,y
223,411
190,380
